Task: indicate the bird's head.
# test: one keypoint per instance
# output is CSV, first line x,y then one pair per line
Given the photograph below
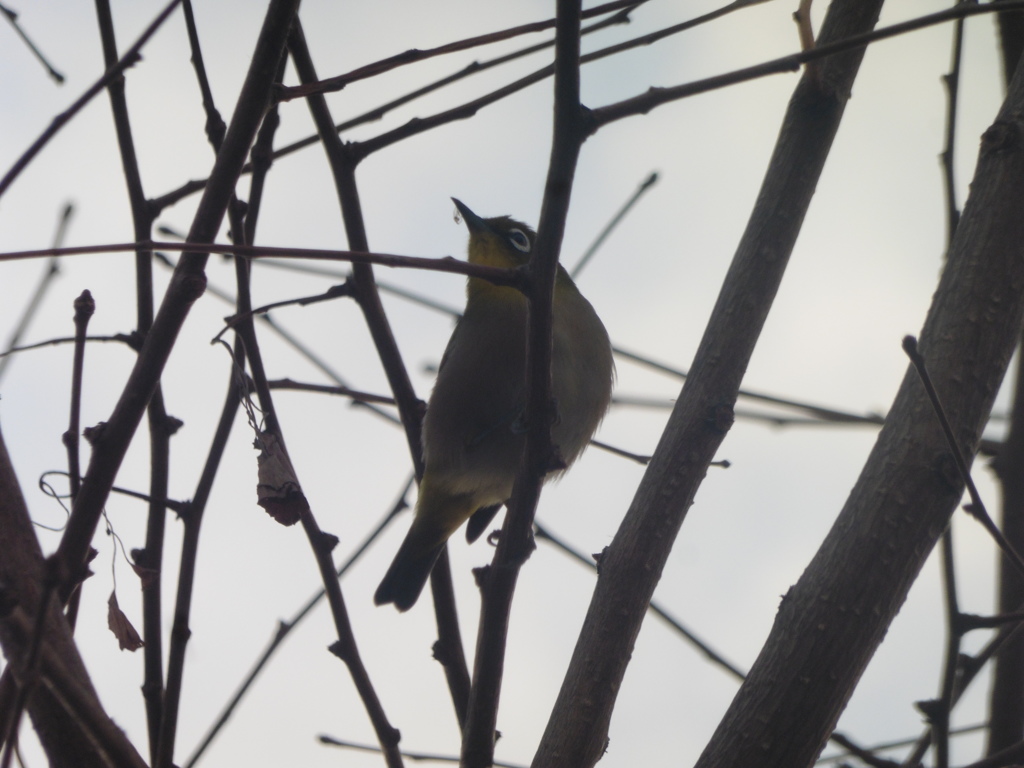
x,y
498,242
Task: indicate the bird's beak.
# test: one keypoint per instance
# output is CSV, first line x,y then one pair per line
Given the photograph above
x,y
474,222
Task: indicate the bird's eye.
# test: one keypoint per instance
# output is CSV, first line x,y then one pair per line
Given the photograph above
x,y
519,240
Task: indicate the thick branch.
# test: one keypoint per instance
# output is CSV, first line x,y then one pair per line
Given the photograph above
x,y
68,737
833,619
631,567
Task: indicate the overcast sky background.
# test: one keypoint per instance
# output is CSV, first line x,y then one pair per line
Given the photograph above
x,y
861,277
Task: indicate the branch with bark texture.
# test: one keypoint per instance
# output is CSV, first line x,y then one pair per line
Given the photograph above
x,y
631,566
833,619
71,724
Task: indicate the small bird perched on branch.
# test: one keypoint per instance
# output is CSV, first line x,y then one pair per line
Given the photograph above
x,y
473,435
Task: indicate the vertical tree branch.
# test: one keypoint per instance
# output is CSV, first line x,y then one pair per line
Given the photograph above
x,y
952,82
497,582
1011,40
85,306
1006,699
938,712
631,566
192,519
160,426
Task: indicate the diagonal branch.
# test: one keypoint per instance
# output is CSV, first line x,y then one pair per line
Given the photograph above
x,y
415,55
130,57
186,286
833,619
68,718
631,566
655,97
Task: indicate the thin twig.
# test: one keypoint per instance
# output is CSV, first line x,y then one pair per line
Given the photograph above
x,y
334,292
545,535
192,518
380,111
820,414
12,16
175,505
977,507
284,628
971,621
52,269
496,275
842,740
366,297
952,83
805,29
415,55
611,225
160,427
639,458
295,342
245,347
469,109
818,411
362,397
85,306
215,127
938,712
655,97
345,647
866,755
127,60
969,671
416,756
122,338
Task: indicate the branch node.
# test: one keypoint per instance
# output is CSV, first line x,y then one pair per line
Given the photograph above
x,y
933,709
722,418
94,435
1001,136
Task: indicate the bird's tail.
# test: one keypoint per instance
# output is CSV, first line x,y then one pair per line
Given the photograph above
x,y
438,515
410,569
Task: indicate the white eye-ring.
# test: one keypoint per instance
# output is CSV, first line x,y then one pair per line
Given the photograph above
x,y
519,240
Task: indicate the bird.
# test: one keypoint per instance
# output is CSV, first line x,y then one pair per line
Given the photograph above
x,y
473,432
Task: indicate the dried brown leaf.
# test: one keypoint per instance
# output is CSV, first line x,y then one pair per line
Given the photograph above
x,y
278,490
123,630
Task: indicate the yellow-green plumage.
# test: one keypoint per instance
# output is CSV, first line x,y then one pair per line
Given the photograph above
x,y
472,440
